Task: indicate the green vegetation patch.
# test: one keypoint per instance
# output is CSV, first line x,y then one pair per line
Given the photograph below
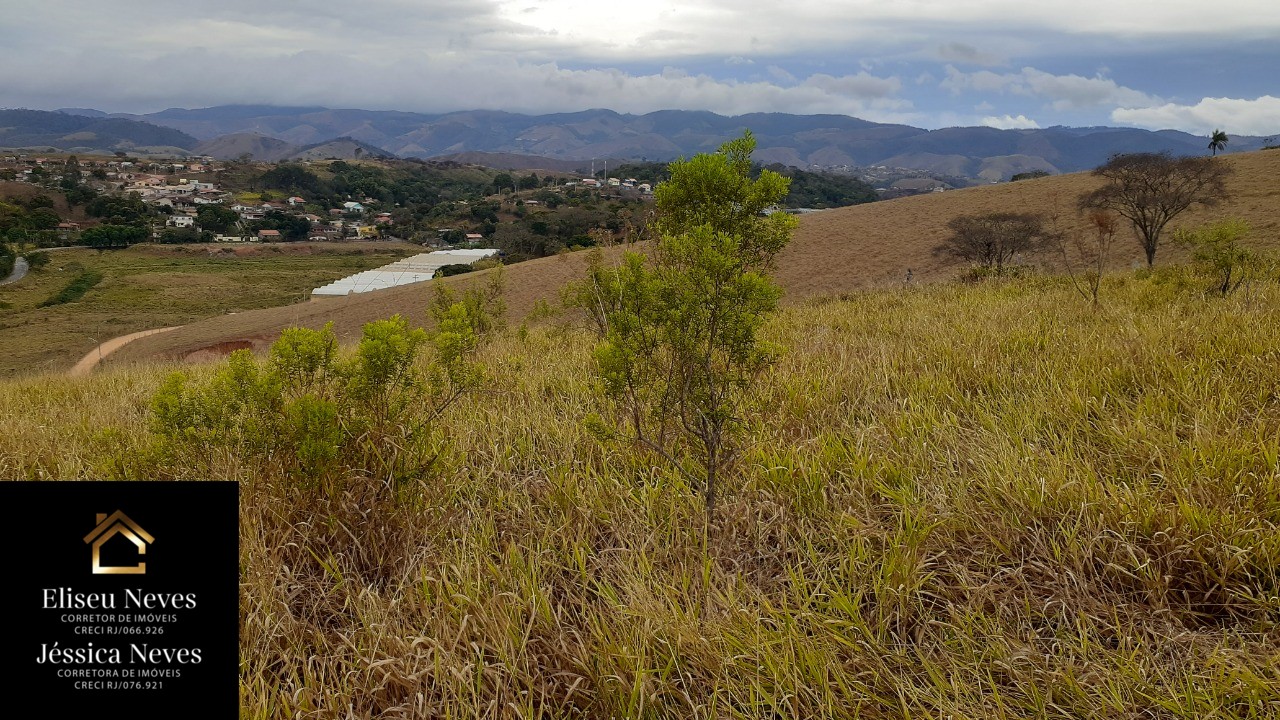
x,y
74,290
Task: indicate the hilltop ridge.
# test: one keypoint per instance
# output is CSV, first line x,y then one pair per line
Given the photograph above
x,y
832,142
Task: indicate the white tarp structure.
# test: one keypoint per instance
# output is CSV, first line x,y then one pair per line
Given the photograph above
x,y
418,268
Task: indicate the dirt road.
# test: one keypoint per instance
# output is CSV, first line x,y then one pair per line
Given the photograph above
x,y
19,270
90,361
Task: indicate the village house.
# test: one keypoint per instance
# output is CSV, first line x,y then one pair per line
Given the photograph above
x,y
269,236
207,198
324,234
181,221
67,230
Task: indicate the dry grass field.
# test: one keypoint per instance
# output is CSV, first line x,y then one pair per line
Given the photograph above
x,y
833,252
991,500
151,286
874,245
986,501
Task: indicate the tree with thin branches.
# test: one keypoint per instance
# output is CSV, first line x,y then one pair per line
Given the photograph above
x,y
993,240
1150,189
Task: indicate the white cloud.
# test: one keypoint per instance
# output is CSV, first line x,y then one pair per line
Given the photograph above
x,y
1008,122
436,83
862,85
1260,116
553,55
1065,92
780,74
958,81
1073,91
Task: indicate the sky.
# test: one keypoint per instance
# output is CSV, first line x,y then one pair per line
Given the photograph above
x,y
1191,66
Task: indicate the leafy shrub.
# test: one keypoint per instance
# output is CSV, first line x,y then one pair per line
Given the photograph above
x,y
1216,251
451,270
320,420
37,260
1029,175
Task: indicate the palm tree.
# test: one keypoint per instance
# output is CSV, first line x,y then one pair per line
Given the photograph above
x,y
1217,141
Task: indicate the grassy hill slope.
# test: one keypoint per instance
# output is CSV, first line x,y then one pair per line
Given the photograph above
x,y
958,501
149,286
836,251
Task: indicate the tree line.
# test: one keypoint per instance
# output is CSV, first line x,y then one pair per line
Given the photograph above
x,y
1146,190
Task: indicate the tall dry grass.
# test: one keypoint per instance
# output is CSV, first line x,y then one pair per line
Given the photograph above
x,y
969,502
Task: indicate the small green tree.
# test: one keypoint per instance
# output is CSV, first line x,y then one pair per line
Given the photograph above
x,y
680,346
37,260
1216,249
113,236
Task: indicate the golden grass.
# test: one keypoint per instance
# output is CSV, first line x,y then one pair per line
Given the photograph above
x,y
835,251
150,286
970,502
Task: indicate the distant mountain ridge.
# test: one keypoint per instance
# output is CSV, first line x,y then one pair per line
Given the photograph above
x,y
264,148
805,141
86,132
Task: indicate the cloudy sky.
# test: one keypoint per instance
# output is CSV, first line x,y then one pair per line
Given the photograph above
x,y
1192,66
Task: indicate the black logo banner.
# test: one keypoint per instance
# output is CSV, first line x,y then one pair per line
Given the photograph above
x,y
121,598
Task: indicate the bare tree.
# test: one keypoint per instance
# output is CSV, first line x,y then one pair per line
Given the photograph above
x,y
1150,189
1091,250
992,240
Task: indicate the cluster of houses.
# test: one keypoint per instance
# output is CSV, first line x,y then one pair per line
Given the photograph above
x,y
183,201
26,168
629,183
160,185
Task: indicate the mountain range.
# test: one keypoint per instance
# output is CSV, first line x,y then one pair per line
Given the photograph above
x,y
88,131
832,142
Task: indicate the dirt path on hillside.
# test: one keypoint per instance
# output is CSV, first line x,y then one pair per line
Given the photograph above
x,y
95,356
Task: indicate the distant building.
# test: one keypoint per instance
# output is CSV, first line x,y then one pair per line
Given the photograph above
x,y
269,236
181,221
